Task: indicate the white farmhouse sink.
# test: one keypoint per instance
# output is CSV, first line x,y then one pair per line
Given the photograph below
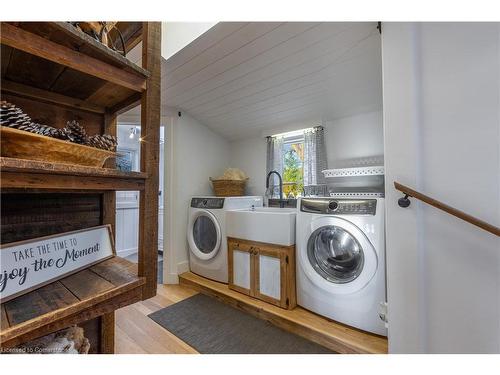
x,y
264,224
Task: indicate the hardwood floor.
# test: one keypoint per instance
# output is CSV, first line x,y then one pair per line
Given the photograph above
x,y
138,334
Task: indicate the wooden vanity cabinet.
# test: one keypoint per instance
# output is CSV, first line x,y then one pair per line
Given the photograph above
x,y
264,271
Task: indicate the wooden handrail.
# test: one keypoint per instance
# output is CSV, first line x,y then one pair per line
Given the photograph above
x,y
448,209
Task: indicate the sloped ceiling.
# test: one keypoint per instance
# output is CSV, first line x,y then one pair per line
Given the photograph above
x,y
243,78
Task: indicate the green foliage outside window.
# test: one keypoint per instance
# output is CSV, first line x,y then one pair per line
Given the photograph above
x,y
293,169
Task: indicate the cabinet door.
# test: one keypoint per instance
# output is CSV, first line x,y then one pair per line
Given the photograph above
x,y
270,270
241,267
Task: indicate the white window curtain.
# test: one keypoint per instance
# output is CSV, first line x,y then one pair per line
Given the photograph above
x,y
274,162
315,162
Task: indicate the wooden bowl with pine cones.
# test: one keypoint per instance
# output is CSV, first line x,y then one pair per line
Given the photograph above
x,y
24,139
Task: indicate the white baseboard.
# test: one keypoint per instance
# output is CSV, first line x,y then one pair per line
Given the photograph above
x,y
182,267
173,278
126,252
170,278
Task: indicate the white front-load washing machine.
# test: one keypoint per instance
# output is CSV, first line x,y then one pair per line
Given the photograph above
x,y
341,260
206,233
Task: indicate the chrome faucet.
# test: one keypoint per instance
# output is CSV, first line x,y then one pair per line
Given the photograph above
x,y
282,202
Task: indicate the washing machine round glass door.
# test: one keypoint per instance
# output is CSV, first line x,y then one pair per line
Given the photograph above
x,y
340,253
335,254
204,235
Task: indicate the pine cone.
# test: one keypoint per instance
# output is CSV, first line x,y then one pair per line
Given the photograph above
x,y
75,132
60,134
14,117
104,142
10,114
32,128
46,130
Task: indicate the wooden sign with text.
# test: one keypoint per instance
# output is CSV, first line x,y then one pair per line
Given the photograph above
x,y
31,264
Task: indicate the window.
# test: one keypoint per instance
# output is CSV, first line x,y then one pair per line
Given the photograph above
x,y
293,166
288,148
300,158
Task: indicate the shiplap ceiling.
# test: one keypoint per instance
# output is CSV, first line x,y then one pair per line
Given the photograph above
x,y
242,78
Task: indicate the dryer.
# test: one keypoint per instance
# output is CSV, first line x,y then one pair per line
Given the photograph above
x,y
206,233
341,260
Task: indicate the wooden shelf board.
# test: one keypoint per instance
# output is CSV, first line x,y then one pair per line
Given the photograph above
x,y
98,49
32,174
84,295
48,96
335,336
77,69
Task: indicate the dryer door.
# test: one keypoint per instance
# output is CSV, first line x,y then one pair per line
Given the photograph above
x,y
338,252
204,235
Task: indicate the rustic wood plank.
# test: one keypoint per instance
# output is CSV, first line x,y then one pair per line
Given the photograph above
x,y
47,316
80,85
45,95
132,33
41,301
108,207
25,216
335,336
4,321
102,50
126,265
107,333
86,284
21,69
108,95
38,46
150,128
126,105
83,311
114,272
33,166
46,181
5,55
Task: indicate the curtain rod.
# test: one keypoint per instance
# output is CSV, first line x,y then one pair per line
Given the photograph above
x,y
319,127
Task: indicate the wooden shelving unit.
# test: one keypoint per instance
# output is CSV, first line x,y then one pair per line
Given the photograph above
x,y
29,174
56,73
82,296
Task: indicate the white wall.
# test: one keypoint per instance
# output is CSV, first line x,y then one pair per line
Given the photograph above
x,y
354,137
348,138
196,153
442,136
249,155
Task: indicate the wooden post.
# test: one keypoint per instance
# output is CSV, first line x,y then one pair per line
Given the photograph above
x,y
109,198
108,212
107,333
150,144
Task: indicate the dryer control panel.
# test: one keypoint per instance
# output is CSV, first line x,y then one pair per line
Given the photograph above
x,y
211,203
328,206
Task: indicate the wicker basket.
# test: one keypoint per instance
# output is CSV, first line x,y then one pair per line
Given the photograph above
x,y
229,188
25,145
